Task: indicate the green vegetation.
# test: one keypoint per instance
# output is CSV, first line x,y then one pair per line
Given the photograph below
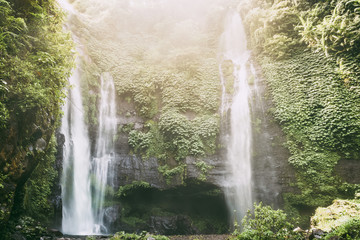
x,y
204,169
130,188
30,228
170,173
348,231
333,27
266,223
167,71
38,187
335,215
166,68
309,54
321,126
338,221
35,62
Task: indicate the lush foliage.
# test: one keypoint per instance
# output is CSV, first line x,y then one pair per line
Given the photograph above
x,y
333,27
128,189
176,137
38,187
270,26
169,173
204,169
314,86
35,63
321,126
165,71
30,228
349,230
266,224
36,60
338,221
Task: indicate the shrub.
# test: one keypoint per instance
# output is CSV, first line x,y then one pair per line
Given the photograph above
x,y
265,224
349,230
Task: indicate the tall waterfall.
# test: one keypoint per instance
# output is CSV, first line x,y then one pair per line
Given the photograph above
x,y
85,178
102,163
76,195
238,139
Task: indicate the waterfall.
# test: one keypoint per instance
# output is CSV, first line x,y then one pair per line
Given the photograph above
x,y
85,178
76,195
102,162
237,185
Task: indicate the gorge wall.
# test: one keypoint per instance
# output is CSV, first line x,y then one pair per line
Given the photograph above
x,y
167,145
168,126
169,157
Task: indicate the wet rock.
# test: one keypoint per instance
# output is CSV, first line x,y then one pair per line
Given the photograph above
x,y
131,168
55,232
40,144
112,214
17,236
172,225
138,126
299,230
348,170
316,233
335,215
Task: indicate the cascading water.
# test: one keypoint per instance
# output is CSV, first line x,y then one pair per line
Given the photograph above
x,y
104,155
238,188
76,195
83,206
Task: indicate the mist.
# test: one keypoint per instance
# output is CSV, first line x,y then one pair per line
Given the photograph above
x,y
157,27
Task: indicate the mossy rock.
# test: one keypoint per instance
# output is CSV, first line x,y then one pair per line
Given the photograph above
x,y
335,215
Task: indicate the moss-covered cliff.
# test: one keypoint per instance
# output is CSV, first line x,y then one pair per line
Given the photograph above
x,y
164,62
36,60
165,68
309,54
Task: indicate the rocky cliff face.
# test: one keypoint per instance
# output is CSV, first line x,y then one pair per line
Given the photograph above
x,y
155,201
272,173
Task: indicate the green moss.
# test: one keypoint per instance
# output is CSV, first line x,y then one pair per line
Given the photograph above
x,y
132,221
314,92
129,188
176,137
90,83
163,78
38,187
204,169
170,173
320,117
333,216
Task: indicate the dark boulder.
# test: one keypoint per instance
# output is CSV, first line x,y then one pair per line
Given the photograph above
x,y
172,225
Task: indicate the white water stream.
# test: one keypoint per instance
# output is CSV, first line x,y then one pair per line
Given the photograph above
x,y
76,195
102,162
238,140
85,178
